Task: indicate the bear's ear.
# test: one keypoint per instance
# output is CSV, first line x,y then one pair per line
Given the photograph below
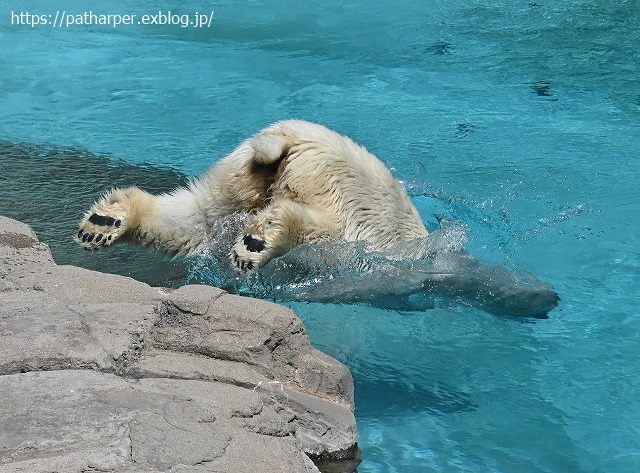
x,y
268,148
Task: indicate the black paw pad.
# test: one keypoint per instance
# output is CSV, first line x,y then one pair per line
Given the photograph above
x,y
252,244
104,221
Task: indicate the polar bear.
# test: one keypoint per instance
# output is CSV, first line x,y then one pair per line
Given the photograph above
x,y
300,182
297,182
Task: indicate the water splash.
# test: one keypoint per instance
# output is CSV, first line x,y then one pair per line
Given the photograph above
x,y
412,276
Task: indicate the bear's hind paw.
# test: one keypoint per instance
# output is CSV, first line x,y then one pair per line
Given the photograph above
x,y
249,252
253,244
97,231
241,264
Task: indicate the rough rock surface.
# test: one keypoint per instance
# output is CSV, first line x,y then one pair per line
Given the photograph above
x,y
104,373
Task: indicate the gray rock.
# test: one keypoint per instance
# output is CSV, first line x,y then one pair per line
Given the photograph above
x,y
104,373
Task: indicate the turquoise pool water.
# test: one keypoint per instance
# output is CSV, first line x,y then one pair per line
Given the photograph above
x,y
518,120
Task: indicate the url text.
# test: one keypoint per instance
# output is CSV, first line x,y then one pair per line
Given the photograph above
x,y
62,19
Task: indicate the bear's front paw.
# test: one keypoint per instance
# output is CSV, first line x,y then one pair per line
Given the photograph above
x,y
249,252
97,231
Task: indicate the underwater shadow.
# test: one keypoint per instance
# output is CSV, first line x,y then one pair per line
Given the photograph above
x,y
394,398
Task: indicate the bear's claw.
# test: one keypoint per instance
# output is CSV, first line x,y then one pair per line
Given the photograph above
x,y
241,264
98,231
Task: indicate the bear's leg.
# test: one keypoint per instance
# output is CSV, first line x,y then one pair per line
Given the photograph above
x,y
111,217
278,228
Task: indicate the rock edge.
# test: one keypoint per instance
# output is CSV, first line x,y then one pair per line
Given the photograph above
x,y
100,372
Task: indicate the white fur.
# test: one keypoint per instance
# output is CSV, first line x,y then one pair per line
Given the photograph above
x,y
300,181
331,174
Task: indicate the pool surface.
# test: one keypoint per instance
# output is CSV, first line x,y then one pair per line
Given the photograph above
x,y
516,121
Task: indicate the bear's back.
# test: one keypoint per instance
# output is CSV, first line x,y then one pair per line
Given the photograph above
x,y
329,172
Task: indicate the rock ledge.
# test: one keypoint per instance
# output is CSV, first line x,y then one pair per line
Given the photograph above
x,y
100,372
